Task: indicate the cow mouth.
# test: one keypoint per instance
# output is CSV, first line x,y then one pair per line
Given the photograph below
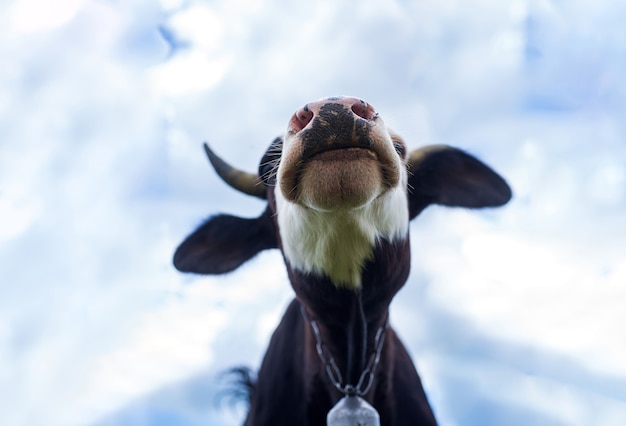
x,y
343,154
337,178
378,160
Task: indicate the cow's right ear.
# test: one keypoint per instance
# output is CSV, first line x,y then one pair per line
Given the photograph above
x,y
224,242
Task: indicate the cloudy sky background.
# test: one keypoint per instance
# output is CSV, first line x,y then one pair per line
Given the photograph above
x,y
513,316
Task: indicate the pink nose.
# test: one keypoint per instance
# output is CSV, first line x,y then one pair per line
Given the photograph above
x,y
306,114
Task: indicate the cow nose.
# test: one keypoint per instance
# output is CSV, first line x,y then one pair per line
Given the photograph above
x,y
300,119
362,109
306,114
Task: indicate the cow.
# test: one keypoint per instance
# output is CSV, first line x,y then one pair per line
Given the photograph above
x,y
341,190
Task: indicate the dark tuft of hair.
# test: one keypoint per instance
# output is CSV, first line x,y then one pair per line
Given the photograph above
x,y
239,384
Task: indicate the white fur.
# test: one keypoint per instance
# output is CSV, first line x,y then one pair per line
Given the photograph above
x,y
338,243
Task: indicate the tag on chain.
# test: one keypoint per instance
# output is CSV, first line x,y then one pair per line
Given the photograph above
x,y
353,411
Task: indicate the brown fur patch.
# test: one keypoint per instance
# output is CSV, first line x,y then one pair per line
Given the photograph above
x,y
341,179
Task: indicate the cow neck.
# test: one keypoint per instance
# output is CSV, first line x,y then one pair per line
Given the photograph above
x,y
360,365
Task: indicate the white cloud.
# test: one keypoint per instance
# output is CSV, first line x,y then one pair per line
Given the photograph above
x,y
29,16
166,345
188,73
18,211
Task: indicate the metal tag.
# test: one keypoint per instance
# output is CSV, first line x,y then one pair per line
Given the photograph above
x,y
353,411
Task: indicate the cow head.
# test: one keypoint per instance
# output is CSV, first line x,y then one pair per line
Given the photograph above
x,y
338,185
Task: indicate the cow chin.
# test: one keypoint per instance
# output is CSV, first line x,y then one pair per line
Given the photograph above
x,y
340,180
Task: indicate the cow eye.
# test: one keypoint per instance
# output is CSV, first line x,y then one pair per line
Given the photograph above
x,y
270,161
400,148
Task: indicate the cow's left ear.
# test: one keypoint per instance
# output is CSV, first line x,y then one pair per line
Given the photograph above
x,y
224,242
440,174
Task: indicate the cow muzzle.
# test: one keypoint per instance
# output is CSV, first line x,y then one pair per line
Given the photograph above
x,y
338,154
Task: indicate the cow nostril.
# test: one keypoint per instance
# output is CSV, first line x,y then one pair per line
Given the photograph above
x,y
363,110
300,119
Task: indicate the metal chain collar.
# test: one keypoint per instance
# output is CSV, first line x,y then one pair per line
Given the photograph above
x,y
332,370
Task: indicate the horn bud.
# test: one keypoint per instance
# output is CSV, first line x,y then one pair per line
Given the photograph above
x,y
248,183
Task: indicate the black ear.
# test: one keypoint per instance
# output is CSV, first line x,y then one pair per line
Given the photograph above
x,y
224,242
444,175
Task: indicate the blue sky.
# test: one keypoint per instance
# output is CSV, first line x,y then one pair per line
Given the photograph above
x,y
513,316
